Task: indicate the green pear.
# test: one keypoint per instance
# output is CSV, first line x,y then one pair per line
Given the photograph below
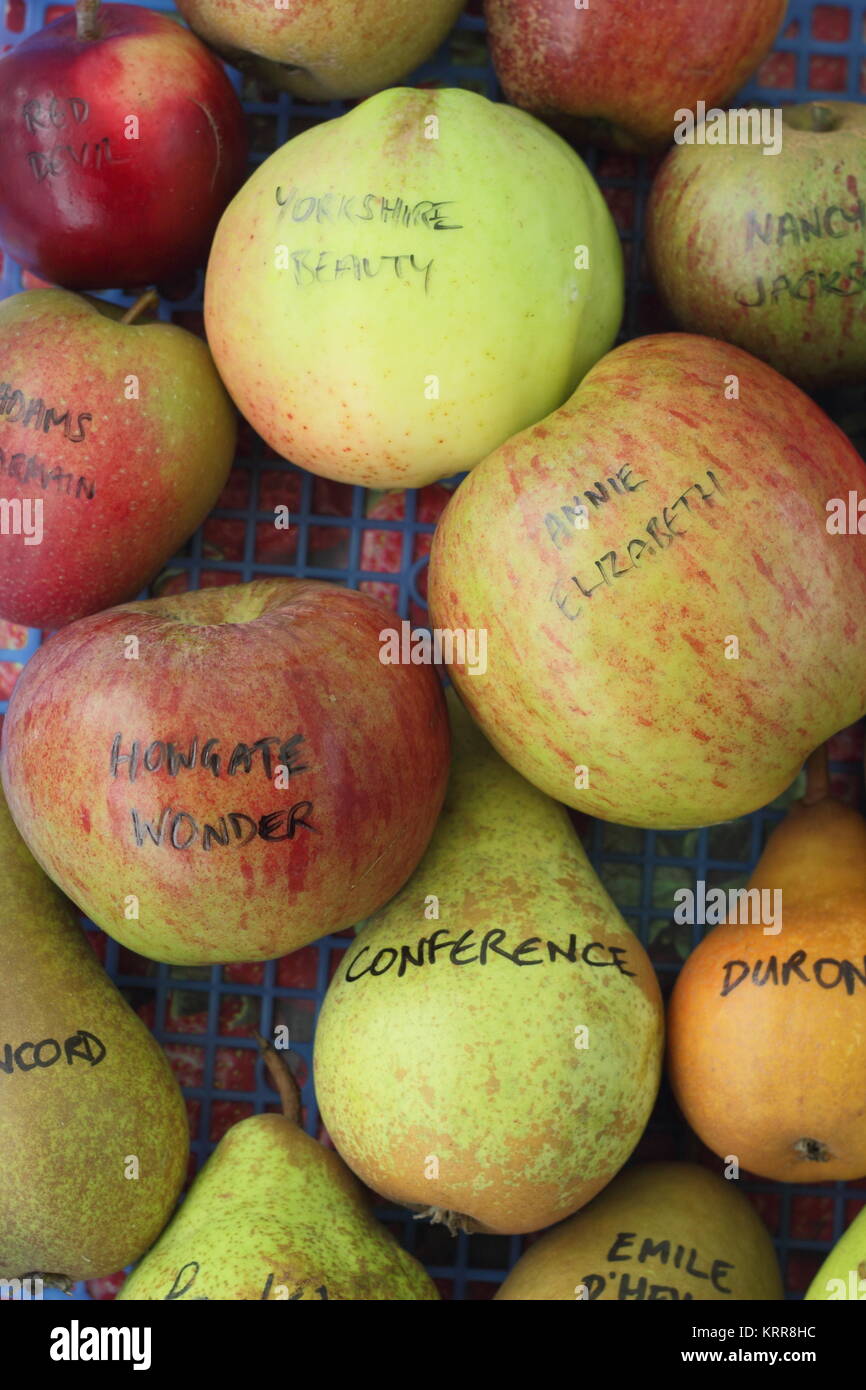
x,y
395,292
273,1215
489,1048
660,1231
93,1128
843,1273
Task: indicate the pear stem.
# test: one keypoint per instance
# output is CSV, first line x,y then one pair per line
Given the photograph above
x,y
145,301
284,1083
87,25
817,777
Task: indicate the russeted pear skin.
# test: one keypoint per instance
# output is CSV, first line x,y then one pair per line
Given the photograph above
x,y
275,1216
489,1048
660,1231
767,1023
93,1128
843,1273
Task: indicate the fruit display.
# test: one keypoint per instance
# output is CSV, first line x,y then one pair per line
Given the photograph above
x,y
122,432
644,575
123,140
237,798
93,1131
765,251
274,1216
501,957
767,1023
433,665
659,1232
296,46
395,225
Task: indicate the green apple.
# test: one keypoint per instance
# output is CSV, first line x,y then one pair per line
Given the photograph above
x,y
843,1273
394,293
766,250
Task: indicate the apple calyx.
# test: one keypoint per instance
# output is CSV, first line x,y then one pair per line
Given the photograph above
x,y
284,1082
145,301
822,118
87,25
813,1150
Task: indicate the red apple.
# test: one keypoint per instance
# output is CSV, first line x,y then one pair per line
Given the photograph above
x,y
617,70
229,774
116,439
123,140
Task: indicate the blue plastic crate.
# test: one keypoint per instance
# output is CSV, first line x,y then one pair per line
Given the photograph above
x,y
206,1017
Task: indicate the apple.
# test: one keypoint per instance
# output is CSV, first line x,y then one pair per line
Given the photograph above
x,y
228,774
123,140
324,49
395,292
675,616
116,438
615,77
767,251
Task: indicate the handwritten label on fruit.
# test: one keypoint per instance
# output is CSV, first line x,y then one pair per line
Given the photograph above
x,y
317,266
660,532
31,412
271,1290
69,114
27,1056
22,469
474,948
631,1284
789,229
178,829
827,972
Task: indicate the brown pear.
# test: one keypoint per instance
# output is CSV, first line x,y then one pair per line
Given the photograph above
x,y
93,1128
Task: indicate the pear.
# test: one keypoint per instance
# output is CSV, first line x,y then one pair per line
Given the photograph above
x,y
489,1049
93,1129
843,1273
767,1022
660,1231
273,1215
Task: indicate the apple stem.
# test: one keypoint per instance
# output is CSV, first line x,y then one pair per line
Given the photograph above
x,y
281,1076
823,119
817,777
87,26
144,301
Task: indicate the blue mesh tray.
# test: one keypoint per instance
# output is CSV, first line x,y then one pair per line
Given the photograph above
x,y
205,1018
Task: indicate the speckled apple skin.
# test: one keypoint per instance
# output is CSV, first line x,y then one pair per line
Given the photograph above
x,y
271,659
616,71
136,478
475,1067
396,380
729,252
274,1216
68,1130
629,677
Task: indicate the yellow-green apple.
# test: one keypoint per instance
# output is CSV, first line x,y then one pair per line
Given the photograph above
x,y
393,293
615,72
226,775
123,140
118,436
673,622
767,251
322,49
